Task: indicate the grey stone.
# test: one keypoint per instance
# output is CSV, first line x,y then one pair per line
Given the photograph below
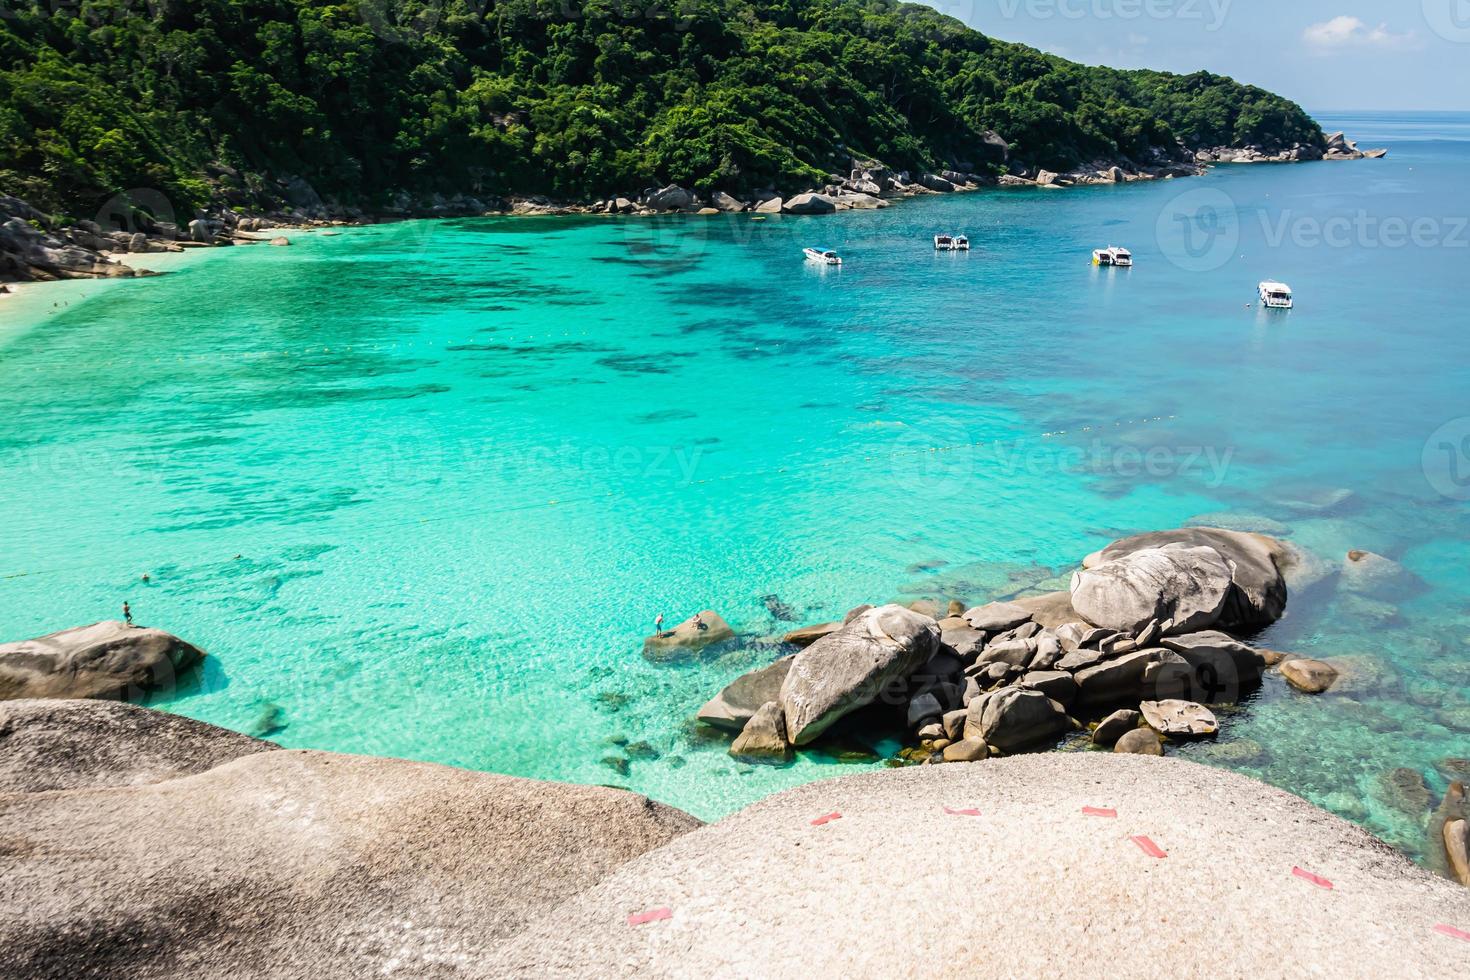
x,y
997,617
1115,726
1015,719
1179,718
1220,667
104,660
703,629
670,198
807,635
296,863
1017,653
725,202
954,724
809,204
1261,564
1140,741
763,739
967,750
742,697
1309,676
67,744
1131,678
1186,586
847,669
923,709
1055,684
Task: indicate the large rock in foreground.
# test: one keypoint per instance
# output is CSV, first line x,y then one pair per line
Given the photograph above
x,y
105,660
1259,595
1045,878
70,744
1184,588
292,864
849,668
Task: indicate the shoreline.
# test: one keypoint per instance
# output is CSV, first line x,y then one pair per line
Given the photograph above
x,y
86,251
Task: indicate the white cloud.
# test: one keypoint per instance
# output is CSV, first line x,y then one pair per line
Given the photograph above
x,y
1341,33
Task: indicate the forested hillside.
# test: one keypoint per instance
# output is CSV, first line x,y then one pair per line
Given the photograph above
x,y
223,99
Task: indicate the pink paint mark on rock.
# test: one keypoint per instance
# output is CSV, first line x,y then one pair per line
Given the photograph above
x,y
652,915
826,819
1097,811
1148,847
1317,880
961,813
1453,933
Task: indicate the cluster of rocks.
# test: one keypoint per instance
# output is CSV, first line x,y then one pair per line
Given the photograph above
x,y
1337,147
1151,625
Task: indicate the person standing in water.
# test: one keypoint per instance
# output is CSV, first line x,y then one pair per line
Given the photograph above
x,y
127,613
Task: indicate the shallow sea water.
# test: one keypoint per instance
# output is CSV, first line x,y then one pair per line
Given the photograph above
x,y
420,489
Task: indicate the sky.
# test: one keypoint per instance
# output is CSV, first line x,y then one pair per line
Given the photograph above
x,y
1324,54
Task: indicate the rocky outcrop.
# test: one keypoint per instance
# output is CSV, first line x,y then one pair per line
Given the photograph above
x,y
670,198
48,745
105,660
32,248
1259,593
1115,726
763,739
291,863
1015,719
1135,629
807,635
809,204
1308,676
703,629
725,202
849,668
1182,587
1179,718
734,706
1140,741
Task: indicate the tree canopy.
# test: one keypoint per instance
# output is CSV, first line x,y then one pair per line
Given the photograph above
x,y
222,99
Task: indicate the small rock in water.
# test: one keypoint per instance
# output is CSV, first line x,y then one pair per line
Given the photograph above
x,y
1310,676
617,764
1239,752
272,719
641,750
1115,726
1140,741
778,609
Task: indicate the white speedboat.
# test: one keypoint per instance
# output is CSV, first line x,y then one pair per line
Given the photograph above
x,y
825,256
1275,295
1112,255
951,243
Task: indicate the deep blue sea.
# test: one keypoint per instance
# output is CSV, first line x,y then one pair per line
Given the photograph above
x,y
420,489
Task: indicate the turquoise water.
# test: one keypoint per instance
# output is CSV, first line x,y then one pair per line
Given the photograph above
x,y
420,489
